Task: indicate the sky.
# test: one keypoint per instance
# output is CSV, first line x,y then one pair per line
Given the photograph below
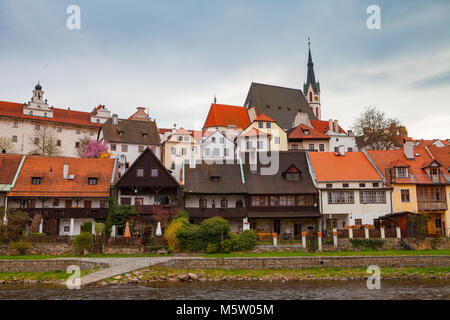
x,y
174,56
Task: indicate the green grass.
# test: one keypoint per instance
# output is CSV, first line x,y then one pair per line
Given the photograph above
x,y
43,257
295,274
48,276
337,253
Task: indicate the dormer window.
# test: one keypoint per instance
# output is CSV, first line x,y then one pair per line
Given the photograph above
x,y
145,135
121,133
215,179
434,171
292,174
30,113
36,180
306,132
401,172
92,181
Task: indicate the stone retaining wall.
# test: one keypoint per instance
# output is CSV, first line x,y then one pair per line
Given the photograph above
x,y
53,249
309,262
122,250
46,265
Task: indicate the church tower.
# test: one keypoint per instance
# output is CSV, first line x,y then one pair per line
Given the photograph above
x,y
311,89
38,106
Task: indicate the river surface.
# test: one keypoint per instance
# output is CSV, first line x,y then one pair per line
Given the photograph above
x,y
242,290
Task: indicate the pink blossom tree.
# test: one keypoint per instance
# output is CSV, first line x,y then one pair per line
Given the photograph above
x,y
95,149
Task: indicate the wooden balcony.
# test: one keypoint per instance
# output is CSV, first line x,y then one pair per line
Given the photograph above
x,y
67,213
432,206
284,209
154,209
215,212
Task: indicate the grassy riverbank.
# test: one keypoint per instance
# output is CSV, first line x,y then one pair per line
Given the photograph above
x,y
158,274
37,277
42,257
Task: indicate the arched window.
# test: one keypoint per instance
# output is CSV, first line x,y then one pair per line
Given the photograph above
x,y
310,96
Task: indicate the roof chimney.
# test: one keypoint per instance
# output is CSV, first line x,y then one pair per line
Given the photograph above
x,y
115,119
408,148
330,125
336,126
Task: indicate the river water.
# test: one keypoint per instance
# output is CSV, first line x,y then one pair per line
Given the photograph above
x,y
242,290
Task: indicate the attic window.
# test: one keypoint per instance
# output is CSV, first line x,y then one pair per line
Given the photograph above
x,y
215,179
306,132
345,185
35,180
434,171
292,176
329,185
145,135
121,133
401,172
92,181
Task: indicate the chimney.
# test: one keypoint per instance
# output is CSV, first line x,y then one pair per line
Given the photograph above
x,y
115,119
408,148
336,126
330,125
350,132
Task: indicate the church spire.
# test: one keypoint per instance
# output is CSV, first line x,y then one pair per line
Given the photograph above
x,y
311,79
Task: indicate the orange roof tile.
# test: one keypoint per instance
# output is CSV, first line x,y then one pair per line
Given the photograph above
x,y
323,126
442,155
8,167
220,115
299,132
50,169
388,159
354,166
265,118
15,110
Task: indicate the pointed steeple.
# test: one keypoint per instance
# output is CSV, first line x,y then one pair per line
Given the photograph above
x,y
311,79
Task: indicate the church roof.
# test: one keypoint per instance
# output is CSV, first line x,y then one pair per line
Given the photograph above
x,y
221,115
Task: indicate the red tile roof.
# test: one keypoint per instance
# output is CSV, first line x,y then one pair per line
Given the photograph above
x,y
253,132
223,115
389,159
354,166
265,118
442,155
15,110
323,126
8,167
50,169
299,133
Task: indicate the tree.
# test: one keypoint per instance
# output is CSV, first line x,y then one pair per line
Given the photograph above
x,y
84,141
375,131
95,149
46,142
17,221
117,214
6,145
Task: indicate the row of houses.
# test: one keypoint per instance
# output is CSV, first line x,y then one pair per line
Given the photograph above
x,y
288,193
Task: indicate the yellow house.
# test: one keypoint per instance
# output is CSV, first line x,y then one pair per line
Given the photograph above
x,y
181,145
266,130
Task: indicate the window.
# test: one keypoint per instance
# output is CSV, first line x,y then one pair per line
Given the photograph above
x,y
58,129
329,185
103,204
124,148
277,140
268,125
362,185
139,172
35,180
222,140
55,202
372,197
173,151
31,203
345,185
183,151
121,133
274,201
186,138
113,147
437,223
207,152
58,143
139,201
239,204
37,127
306,132
92,181
213,140
14,138
145,135
15,125
203,203
180,138
259,144
224,203
216,152
358,222
45,114
91,132
321,147
259,201
311,147
401,172
339,197
98,120
249,145
68,204
375,184
88,204
66,228
294,147
260,125
78,131
350,149
305,200
125,201
336,149
141,149
154,173
226,152
77,144
292,176
36,140
30,113
434,171
405,195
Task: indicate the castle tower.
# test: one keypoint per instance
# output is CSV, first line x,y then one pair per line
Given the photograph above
x,y
311,89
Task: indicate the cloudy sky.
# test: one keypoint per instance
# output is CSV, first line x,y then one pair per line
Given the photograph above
x,y
174,56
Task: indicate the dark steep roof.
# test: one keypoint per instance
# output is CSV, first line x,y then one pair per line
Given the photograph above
x,y
280,103
133,132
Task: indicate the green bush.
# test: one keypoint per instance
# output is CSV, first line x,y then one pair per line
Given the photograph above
x,y
21,246
226,246
83,242
246,240
182,214
211,248
100,229
214,230
189,238
370,244
87,227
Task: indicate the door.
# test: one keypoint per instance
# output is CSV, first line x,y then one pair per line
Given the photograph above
x,y
297,231
276,226
88,204
31,203
68,204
